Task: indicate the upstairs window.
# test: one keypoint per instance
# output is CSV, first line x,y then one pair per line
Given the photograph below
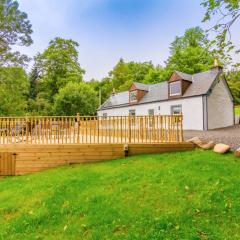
x,y
133,96
175,88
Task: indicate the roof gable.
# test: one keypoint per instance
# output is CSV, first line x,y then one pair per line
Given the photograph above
x,y
139,86
176,75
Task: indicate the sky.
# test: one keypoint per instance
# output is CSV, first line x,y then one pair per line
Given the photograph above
x,y
107,30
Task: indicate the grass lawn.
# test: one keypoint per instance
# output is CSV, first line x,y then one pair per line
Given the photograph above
x,y
190,195
237,111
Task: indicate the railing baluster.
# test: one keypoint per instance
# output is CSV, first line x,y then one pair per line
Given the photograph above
x,y
76,129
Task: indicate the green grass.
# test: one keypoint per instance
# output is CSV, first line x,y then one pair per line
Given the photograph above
x,y
190,195
237,111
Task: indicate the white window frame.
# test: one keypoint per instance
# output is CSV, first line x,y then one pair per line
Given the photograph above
x,y
170,87
130,97
176,106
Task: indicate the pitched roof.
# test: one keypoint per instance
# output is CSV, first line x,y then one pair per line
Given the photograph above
x,y
201,83
184,76
141,86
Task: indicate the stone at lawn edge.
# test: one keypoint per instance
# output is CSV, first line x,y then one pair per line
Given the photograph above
x,y
196,140
204,145
221,148
237,152
208,146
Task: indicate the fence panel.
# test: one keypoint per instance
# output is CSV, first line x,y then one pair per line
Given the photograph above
x,y
88,129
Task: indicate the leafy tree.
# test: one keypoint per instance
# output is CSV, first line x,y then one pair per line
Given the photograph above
x,y
124,74
40,106
13,91
193,37
157,74
103,88
34,81
234,84
76,98
58,65
227,13
190,53
15,28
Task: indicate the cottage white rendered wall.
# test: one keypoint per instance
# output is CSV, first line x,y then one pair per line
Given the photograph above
x,y
192,109
220,107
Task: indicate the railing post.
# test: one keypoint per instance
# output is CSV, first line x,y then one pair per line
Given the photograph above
x,y
181,128
78,127
129,128
27,130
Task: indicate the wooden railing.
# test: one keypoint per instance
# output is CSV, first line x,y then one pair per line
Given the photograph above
x,y
85,129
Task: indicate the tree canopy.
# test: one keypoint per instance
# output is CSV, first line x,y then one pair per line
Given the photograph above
x,y
58,65
76,98
227,13
124,74
13,91
53,70
15,28
190,53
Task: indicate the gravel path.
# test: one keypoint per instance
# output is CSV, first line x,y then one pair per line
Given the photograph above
x,y
229,135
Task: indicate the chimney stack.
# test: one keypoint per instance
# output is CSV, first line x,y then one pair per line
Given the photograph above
x,y
216,66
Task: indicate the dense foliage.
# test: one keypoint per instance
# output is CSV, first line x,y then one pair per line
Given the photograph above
x,y
15,28
233,78
227,13
76,98
13,91
53,69
190,53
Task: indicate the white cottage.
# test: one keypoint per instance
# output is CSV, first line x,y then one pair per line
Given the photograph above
x,y
204,99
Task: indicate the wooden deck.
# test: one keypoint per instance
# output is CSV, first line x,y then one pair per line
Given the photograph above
x,y
32,144
21,159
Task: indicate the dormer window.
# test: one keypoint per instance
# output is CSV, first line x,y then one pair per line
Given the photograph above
x,y
175,88
178,84
136,92
133,96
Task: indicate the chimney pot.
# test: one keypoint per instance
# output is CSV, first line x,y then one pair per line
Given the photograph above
x,y
216,66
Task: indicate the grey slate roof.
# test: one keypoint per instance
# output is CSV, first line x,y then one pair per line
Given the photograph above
x,y
201,83
141,86
184,76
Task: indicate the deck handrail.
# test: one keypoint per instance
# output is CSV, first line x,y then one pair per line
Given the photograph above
x,y
91,129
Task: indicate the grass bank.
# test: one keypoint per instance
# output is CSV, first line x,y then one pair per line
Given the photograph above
x,y
190,195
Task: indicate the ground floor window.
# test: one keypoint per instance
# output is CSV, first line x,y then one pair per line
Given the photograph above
x,y
151,112
132,112
176,110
